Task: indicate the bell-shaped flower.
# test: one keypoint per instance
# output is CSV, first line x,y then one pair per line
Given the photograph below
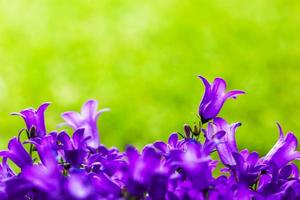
x,y
226,144
214,97
34,119
284,150
195,164
247,168
144,170
87,119
73,149
17,153
173,144
105,186
108,160
275,183
47,149
45,176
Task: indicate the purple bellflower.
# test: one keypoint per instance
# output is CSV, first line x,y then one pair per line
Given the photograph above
x,y
73,149
173,144
214,97
35,119
76,166
17,153
142,170
226,144
87,119
284,150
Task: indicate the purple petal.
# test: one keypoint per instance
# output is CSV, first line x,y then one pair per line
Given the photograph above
x,y
252,158
295,171
72,119
234,93
207,91
161,146
173,139
78,138
132,154
285,172
219,87
65,139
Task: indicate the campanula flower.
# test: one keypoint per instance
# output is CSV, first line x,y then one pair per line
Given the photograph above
x,y
284,150
214,97
74,149
226,144
17,153
76,166
87,119
35,119
173,144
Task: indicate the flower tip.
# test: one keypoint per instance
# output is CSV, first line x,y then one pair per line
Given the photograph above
x,y
203,79
46,103
16,114
91,102
280,130
105,110
43,107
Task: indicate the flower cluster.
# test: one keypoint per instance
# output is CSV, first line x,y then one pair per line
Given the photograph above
x,y
58,165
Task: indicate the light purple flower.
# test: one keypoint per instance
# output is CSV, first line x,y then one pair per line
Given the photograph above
x,y
214,97
87,119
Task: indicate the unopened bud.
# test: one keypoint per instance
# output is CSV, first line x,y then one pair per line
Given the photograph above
x,y
187,130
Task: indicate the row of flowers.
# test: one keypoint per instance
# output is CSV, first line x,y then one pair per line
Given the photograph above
x,y
58,165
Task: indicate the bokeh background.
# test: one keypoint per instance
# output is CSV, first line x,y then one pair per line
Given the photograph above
x,y
142,58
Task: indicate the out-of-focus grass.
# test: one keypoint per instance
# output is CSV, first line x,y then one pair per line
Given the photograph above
x,y
141,60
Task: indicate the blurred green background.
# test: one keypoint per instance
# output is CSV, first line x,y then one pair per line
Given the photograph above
x,y
141,58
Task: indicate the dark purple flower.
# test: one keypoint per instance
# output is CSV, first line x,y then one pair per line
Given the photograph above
x,y
173,144
47,149
19,188
78,167
46,179
17,153
74,149
247,168
277,183
35,119
87,119
108,160
46,176
195,164
105,186
143,169
284,150
214,97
